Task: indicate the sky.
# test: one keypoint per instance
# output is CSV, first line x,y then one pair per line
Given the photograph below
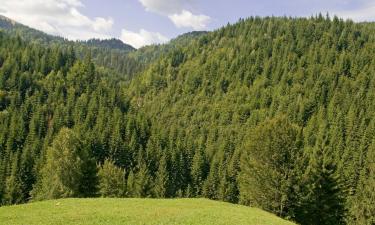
x,y
144,22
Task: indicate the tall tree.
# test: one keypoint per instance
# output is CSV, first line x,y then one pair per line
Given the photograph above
x,y
162,179
267,165
321,197
61,174
142,182
362,210
13,185
198,172
111,180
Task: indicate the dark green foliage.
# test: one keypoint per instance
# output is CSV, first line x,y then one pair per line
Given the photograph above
x,y
321,200
161,187
13,189
109,44
275,107
111,53
65,170
363,203
268,166
142,182
111,180
89,181
198,172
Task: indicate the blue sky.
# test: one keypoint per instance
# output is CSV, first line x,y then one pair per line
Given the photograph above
x,y
143,22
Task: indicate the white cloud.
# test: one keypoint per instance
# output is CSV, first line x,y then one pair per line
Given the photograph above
x,y
57,17
365,13
163,6
142,38
177,12
103,24
187,19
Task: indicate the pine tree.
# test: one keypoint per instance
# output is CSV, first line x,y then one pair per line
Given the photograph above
x,y
162,179
89,182
362,210
61,174
267,165
26,173
198,172
232,190
321,200
13,186
142,182
211,184
130,185
111,180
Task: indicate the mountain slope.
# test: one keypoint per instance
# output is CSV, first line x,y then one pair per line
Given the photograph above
x,y
317,72
26,32
136,211
276,113
109,44
31,34
111,53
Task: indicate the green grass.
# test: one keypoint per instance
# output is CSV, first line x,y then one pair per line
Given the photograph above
x,y
135,211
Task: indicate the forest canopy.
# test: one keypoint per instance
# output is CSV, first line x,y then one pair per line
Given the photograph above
x,y
276,113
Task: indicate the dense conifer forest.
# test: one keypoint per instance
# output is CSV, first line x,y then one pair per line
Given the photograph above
x,y
276,113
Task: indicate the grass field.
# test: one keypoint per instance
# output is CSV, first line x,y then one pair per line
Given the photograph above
x,y
136,211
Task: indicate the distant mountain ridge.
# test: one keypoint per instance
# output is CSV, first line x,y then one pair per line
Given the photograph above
x,y
24,31
31,34
110,53
13,27
6,22
112,43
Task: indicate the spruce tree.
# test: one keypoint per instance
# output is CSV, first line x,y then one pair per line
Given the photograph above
x,y
142,182
198,172
161,185
61,175
267,165
321,197
130,185
111,180
89,182
362,208
13,185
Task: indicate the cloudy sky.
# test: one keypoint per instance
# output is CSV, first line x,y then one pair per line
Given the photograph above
x,y
143,22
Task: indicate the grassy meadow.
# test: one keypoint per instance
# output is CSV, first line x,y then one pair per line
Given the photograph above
x,y
136,211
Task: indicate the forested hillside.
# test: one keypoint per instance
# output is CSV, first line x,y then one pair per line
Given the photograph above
x,y
112,53
276,113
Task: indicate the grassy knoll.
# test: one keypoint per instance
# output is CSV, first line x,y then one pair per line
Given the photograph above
x,y
136,211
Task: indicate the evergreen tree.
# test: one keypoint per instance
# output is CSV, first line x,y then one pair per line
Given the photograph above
x,y
162,180
211,184
198,172
321,200
130,185
89,181
111,180
362,210
61,174
13,186
267,165
142,182
27,174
